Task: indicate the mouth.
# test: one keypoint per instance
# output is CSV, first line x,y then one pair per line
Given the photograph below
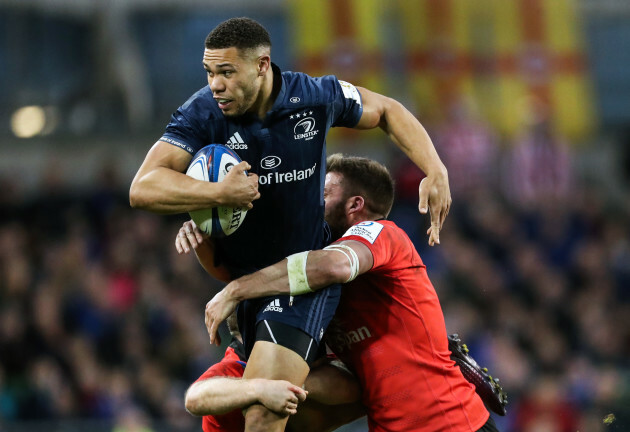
x,y
223,103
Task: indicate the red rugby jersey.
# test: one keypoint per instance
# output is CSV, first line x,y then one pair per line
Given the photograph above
x,y
230,366
394,337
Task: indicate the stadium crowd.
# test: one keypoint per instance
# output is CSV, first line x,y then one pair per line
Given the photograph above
x,y
101,319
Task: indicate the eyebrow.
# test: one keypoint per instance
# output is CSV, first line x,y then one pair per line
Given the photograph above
x,y
219,66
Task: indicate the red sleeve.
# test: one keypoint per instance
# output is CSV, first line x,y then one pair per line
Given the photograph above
x,y
230,366
377,236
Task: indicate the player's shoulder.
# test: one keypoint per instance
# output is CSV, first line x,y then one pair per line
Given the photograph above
x,y
304,89
370,231
201,105
197,122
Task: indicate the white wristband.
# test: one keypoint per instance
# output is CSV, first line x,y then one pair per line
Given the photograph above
x,y
352,256
296,269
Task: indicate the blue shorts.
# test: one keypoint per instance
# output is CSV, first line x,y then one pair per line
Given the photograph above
x,y
311,313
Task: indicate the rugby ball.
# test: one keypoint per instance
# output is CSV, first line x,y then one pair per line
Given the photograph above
x,y
211,164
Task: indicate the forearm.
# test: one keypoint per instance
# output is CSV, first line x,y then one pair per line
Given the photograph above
x,y
402,128
322,269
163,190
412,138
220,395
205,255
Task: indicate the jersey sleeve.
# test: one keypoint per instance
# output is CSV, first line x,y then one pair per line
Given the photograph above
x,y
192,126
180,134
376,237
346,103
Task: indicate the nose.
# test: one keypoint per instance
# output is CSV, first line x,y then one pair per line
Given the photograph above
x,y
216,84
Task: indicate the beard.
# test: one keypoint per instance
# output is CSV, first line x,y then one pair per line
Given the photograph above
x,y
245,102
336,219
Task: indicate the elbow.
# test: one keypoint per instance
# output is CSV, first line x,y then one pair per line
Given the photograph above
x,y
193,402
136,197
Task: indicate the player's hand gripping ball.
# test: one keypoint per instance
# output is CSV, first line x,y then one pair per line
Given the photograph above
x,y
212,163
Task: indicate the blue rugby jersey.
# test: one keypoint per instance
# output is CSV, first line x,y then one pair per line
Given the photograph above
x,y
287,149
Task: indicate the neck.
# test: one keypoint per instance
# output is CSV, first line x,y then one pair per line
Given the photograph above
x,y
357,217
266,91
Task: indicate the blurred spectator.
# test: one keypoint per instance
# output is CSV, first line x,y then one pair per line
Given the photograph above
x,y
131,419
468,148
537,169
546,408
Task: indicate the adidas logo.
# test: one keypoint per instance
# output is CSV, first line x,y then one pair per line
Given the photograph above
x,y
274,306
236,142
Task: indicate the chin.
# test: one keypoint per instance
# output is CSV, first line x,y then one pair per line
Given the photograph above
x,y
233,111
230,113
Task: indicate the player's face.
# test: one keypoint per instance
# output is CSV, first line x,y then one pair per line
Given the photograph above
x,y
335,201
233,77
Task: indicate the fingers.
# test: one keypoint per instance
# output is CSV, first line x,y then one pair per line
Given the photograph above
x,y
242,190
178,246
242,166
192,234
434,235
299,392
197,233
209,321
423,207
213,332
212,325
189,236
445,212
181,242
435,199
185,241
253,178
436,224
291,408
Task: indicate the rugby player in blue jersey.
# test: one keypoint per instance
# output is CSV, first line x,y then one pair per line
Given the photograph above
x,y
277,122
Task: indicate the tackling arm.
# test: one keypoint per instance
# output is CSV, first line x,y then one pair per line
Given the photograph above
x,y
220,395
161,186
322,268
411,137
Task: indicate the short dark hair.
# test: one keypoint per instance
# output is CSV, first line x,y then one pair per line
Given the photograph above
x,y
242,33
367,178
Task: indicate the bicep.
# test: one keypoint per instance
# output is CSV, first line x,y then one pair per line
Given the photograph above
x,y
374,108
364,254
165,155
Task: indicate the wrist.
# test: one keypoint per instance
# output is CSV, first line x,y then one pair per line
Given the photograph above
x,y
220,192
254,390
232,292
438,170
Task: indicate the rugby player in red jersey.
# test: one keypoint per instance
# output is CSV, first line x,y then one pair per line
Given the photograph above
x,y
392,333
220,395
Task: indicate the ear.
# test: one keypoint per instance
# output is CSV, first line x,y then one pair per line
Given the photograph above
x,y
355,204
264,62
